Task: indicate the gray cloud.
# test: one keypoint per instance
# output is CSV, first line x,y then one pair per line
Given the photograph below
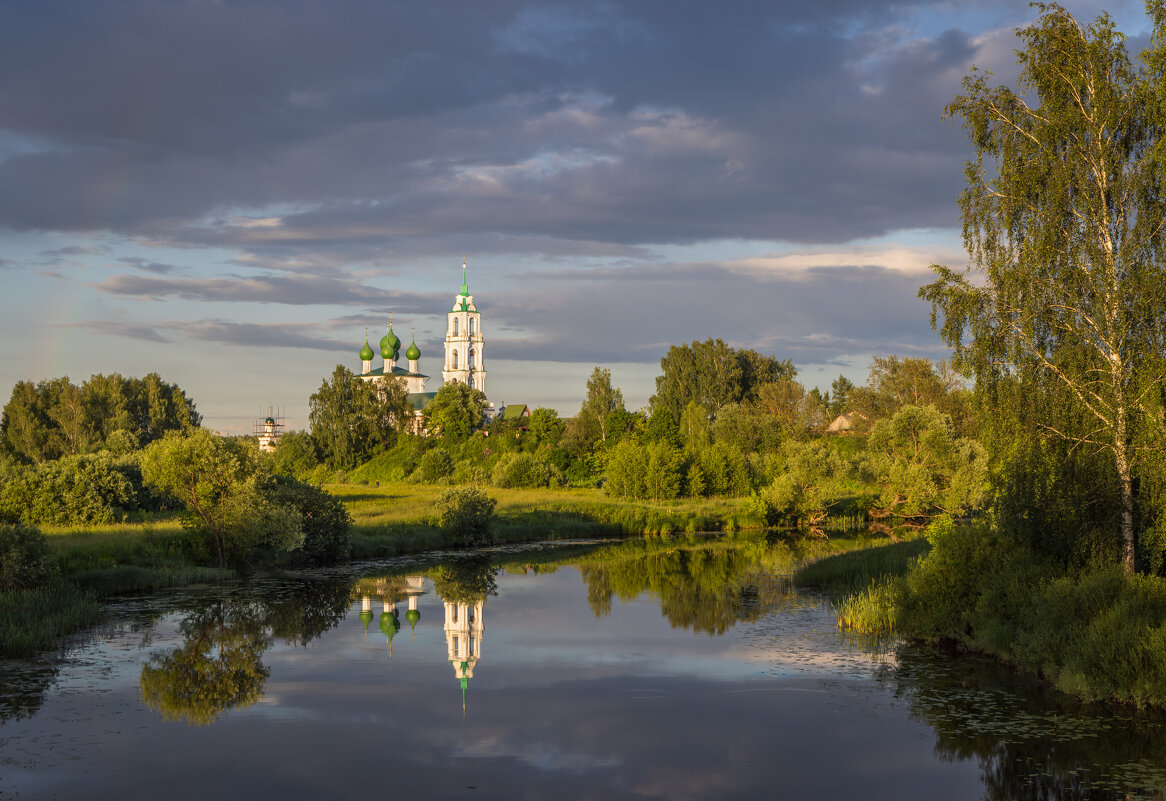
x,y
810,317
158,268
145,333
296,290
574,122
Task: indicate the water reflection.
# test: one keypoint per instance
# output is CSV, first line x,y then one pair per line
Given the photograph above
x,y
219,665
650,668
1030,742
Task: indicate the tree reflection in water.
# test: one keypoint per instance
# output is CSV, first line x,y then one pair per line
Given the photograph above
x,y
220,666
1031,742
709,587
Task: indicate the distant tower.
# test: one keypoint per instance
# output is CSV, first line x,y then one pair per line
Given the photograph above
x,y
464,346
269,429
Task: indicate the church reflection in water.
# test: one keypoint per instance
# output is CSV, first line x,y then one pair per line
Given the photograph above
x,y
464,625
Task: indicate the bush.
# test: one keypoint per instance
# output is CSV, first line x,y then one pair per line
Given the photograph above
x,y
467,513
524,470
24,558
324,520
434,466
72,490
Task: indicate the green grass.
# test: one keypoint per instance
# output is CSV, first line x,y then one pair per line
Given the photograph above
x,y
865,585
34,620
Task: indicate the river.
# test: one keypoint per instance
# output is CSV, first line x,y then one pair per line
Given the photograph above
x,y
686,669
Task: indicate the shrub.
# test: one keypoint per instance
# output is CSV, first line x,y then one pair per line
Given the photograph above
x,y
467,513
435,465
325,521
75,489
525,470
24,557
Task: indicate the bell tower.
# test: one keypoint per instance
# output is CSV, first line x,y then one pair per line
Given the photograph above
x,y
464,345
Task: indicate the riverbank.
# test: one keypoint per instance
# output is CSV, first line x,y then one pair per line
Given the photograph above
x,y
1092,633
395,519
97,561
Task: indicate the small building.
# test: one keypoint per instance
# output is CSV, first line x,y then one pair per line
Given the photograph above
x,y
846,423
268,430
516,413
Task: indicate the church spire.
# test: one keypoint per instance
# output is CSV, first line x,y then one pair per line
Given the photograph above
x,y
465,286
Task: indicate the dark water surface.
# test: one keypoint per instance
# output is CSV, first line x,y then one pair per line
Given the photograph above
x,y
636,670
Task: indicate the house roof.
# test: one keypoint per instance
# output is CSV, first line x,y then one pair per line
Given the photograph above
x,y
515,411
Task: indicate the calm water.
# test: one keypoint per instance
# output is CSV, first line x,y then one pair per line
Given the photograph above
x,y
636,670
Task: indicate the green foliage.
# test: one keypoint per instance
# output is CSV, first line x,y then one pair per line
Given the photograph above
x,y
34,619
24,558
323,520
595,418
295,455
56,418
467,514
1062,220
725,470
396,464
436,464
748,427
662,471
226,494
526,470
545,427
711,374
895,382
352,418
811,481
661,427
921,469
456,411
626,468
76,489
694,428
840,392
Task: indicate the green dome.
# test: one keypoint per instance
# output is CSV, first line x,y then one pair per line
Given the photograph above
x,y
413,354
389,624
366,353
390,345
365,618
412,616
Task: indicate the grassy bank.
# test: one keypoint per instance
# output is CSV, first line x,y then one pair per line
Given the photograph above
x,y
394,519
865,584
1092,632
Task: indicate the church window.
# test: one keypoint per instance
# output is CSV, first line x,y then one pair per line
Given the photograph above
x,y
471,361
472,327
453,360
455,326
470,381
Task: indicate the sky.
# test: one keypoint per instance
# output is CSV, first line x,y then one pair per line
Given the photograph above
x,y
228,192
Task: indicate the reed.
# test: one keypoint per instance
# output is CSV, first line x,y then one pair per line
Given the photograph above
x,y
33,620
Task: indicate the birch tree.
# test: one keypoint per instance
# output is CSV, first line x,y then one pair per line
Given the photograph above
x,y
1063,223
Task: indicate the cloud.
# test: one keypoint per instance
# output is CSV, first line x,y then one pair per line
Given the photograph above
x,y
145,265
800,122
813,316
141,332
296,290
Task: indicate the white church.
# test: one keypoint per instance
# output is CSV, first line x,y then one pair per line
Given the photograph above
x,y
464,353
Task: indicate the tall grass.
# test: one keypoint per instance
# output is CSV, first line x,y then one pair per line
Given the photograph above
x,y
33,620
866,585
